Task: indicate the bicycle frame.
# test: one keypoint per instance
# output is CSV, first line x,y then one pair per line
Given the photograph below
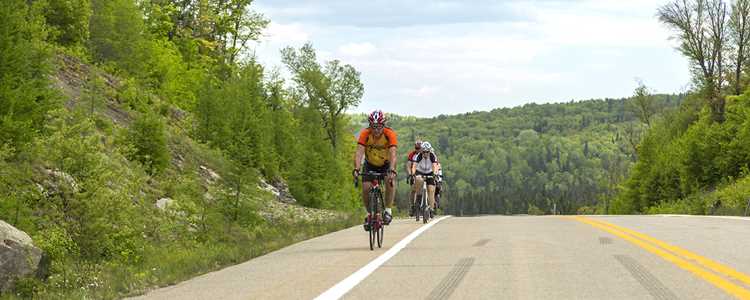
x,y
375,205
423,203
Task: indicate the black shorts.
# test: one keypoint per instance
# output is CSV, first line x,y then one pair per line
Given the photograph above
x,y
430,181
370,168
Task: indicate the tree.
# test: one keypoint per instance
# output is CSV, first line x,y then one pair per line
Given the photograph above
x,y
701,27
68,21
93,93
117,34
25,93
739,31
331,91
219,29
643,103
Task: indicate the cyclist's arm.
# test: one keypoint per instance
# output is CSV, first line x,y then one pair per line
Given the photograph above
x,y
408,166
358,156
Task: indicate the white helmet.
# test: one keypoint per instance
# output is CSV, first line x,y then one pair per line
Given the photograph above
x,y
426,147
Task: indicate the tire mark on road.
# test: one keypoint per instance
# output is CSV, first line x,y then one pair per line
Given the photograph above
x,y
605,240
481,242
653,285
452,280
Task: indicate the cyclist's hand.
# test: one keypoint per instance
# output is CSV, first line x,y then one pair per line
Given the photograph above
x,y
355,173
391,175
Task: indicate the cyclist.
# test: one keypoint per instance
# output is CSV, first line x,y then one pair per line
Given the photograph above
x,y
409,178
425,163
438,184
377,144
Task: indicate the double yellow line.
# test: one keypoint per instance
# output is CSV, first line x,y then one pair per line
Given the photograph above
x,y
707,269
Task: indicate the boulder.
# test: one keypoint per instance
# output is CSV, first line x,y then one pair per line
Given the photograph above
x,y
18,256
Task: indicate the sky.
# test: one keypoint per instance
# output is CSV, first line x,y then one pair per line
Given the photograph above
x,y
426,58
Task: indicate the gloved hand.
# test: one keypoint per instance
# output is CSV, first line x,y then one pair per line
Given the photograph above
x,y
410,179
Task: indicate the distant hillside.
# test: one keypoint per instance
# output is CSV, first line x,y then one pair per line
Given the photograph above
x,y
537,158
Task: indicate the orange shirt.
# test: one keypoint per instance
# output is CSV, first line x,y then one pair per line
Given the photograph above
x,y
377,149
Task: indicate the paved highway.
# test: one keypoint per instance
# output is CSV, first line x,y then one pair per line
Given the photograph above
x,y
500,257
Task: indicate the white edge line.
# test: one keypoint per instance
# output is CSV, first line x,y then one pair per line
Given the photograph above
x,y
704,216
675,216
346,285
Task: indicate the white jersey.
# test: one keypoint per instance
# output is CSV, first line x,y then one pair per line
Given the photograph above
x,y
424,162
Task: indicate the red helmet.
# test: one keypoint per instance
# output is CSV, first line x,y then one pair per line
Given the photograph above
x,y
377,118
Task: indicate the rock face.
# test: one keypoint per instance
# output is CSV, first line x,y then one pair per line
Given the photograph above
x,y
18,256
280,189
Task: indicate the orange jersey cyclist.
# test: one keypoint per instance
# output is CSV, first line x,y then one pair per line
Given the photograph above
x,y
377,144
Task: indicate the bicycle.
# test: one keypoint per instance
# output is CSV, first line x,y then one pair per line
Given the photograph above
x,y
423,209
376,203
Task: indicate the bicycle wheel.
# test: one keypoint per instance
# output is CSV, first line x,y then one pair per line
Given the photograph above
x,y
381,228
417,208
372,236
425,207
373,223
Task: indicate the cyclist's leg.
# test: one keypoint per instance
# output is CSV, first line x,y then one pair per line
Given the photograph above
x,y
431,193
390,195
417,187
365,189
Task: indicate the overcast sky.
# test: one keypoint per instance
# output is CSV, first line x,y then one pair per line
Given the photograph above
x,y
426,58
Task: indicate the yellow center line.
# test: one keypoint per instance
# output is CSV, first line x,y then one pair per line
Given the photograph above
x,y
712,278
706,262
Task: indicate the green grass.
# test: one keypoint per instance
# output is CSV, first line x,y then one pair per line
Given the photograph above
x,y
169,263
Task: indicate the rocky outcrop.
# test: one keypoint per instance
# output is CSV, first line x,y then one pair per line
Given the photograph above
x,y
278,188
18,256
209,175
57,183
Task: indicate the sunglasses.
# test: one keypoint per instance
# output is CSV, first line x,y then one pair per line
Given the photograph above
x,y
381,126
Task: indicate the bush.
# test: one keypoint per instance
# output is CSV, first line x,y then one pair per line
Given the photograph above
x,y
149,139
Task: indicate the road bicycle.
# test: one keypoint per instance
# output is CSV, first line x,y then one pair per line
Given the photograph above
x,y
423,206
376,205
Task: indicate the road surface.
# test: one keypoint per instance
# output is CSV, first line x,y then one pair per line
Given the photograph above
x,y
500,257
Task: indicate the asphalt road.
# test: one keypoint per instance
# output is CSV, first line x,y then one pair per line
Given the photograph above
x,y
501,257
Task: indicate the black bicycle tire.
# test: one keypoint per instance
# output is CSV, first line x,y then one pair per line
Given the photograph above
x,y
381,229
373,212
425,206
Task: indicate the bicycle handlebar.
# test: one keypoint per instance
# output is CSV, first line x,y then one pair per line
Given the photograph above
x,y
368,173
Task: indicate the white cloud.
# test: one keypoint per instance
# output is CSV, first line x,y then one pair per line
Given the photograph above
x,y
357,49
285,33
551,51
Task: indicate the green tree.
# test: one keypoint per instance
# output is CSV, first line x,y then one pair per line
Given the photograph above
x,y
117,34
331,90
25,94
68,21
643,103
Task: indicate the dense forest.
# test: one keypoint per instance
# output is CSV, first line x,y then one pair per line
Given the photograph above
x,y
563,158
134,134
